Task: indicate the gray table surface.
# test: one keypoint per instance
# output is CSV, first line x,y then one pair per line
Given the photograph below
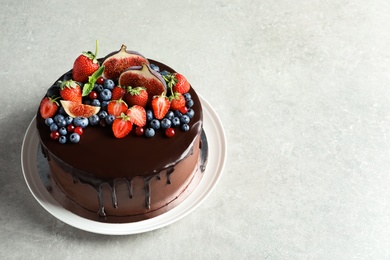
x,y
301,87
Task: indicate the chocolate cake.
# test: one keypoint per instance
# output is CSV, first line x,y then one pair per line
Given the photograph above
x,y
101,170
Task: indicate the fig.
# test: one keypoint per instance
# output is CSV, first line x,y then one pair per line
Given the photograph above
x,y
143,76
117,62
75,109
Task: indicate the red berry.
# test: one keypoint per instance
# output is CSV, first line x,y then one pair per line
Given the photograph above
x,y
160,106
100,81
183,110
48,107
170,132
78,130
70,128
93,95
139,131
54,135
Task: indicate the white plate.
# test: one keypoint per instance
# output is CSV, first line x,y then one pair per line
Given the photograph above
x,y
216,161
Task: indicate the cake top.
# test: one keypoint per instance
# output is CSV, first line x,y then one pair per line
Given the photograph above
x,y
123,91
132,113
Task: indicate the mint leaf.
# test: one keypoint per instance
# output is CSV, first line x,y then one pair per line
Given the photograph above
x,y
88,87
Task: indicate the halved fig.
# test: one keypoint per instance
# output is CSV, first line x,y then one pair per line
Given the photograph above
x,y
75,109
143,76
117,62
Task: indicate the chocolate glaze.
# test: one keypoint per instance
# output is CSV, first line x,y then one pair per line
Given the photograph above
x,y
100,160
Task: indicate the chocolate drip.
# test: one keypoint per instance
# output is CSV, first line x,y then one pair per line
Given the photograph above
x,y
101,211
130,187
147,191
169,172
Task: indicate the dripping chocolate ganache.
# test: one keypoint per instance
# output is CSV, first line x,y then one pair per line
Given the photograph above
x,y
105,176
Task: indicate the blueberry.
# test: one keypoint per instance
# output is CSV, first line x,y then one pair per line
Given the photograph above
x,y
94,120
104,104
149,115
190,113
170,115
98,88
105,95
81,121
184,119
87,102
185,127
164,73
187,96
58,118
62,131
149,132
166,123
61,111
74,138
61,123
110,119
49,121
62,139
95,103
178,113
103,114
53,91
155,67
189,103
69,120
155,124
175,121
109,84
53,127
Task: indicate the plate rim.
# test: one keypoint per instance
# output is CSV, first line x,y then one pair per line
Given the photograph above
x,y
216,138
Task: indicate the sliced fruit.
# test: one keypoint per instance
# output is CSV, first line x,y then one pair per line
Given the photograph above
x,y
117,62
121,126
160,106
76,109
145,77
70,90
136,96
137,115
48,107
116,107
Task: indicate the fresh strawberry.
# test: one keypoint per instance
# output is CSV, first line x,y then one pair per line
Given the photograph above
x,y
177,101
177,83
137,115
121,126
136,96
70,90
160,106
116,107
117,93
85,65
48,107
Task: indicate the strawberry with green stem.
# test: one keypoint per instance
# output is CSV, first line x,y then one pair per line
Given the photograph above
x,y
48,107
122,126
136,96
85,65
71,90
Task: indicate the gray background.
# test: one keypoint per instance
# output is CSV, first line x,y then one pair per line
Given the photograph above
x,y
301,87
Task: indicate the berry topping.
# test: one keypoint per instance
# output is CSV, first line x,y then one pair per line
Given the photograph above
x,y
136,96
160,106
116,107
70,90
137,115
48,107
139,131
149,132
85,65
74,138
117,93
177,82
177,101
54,135
170,132
121,126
